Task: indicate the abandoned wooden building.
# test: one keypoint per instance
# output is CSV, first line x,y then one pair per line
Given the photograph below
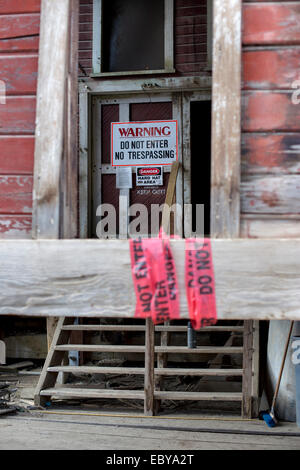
x,y
225,74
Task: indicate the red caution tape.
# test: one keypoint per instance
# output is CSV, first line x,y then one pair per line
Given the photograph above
x,y
200,284
155,280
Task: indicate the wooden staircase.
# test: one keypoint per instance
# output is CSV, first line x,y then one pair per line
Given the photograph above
x,y
153,391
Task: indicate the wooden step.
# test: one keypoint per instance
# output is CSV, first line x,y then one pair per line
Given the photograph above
x,y
211,396
158,349
93,393
170,329
140,371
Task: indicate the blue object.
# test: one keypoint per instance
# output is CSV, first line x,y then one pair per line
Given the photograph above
x,y
269,420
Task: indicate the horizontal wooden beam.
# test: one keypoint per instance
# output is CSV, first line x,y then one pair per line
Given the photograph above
x,y
255,279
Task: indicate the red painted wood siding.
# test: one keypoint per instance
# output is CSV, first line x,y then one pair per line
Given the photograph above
x,y
270,122
19,39
190,37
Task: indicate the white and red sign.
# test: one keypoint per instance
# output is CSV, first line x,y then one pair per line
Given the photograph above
x,y
149,176
148,143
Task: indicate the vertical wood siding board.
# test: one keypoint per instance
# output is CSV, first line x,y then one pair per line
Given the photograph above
x,y
225,199
50,114
274,23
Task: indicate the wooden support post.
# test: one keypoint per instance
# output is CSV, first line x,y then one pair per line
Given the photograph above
x,y
162,361
226,119
247,369
69,175
149,368
52,78
255,370
55,167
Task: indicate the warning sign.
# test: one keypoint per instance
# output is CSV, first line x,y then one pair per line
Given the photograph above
x,y
149,176
148,143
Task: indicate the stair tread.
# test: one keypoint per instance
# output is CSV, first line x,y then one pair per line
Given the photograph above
x,y
215,396
141,371
175,329
139,394
158,349
93,393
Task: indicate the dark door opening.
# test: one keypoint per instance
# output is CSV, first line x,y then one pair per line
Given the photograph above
x,y
200,115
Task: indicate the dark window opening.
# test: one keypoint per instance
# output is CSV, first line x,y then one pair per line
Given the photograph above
x,y
201,159
133,35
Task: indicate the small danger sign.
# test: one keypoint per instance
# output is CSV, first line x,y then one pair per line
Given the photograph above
x,y
148,143
149,176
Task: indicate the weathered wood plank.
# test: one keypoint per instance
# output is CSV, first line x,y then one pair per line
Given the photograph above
x,y
158,349
19,73
18,115
16,155
270,228
271,153
15,226
255,279
50,115
19,6
27,44
13,26
270,111
270,69
15,194
215,396
226,128
271,23
69,196
141,370
93,393
270,194
155,85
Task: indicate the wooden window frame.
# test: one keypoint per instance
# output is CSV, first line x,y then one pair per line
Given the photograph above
x,y
98,45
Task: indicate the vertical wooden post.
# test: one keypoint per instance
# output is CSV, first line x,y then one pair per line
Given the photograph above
x,y
55,167
247,369
52,76
149,368
162,361
226,119
69,177
255,369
